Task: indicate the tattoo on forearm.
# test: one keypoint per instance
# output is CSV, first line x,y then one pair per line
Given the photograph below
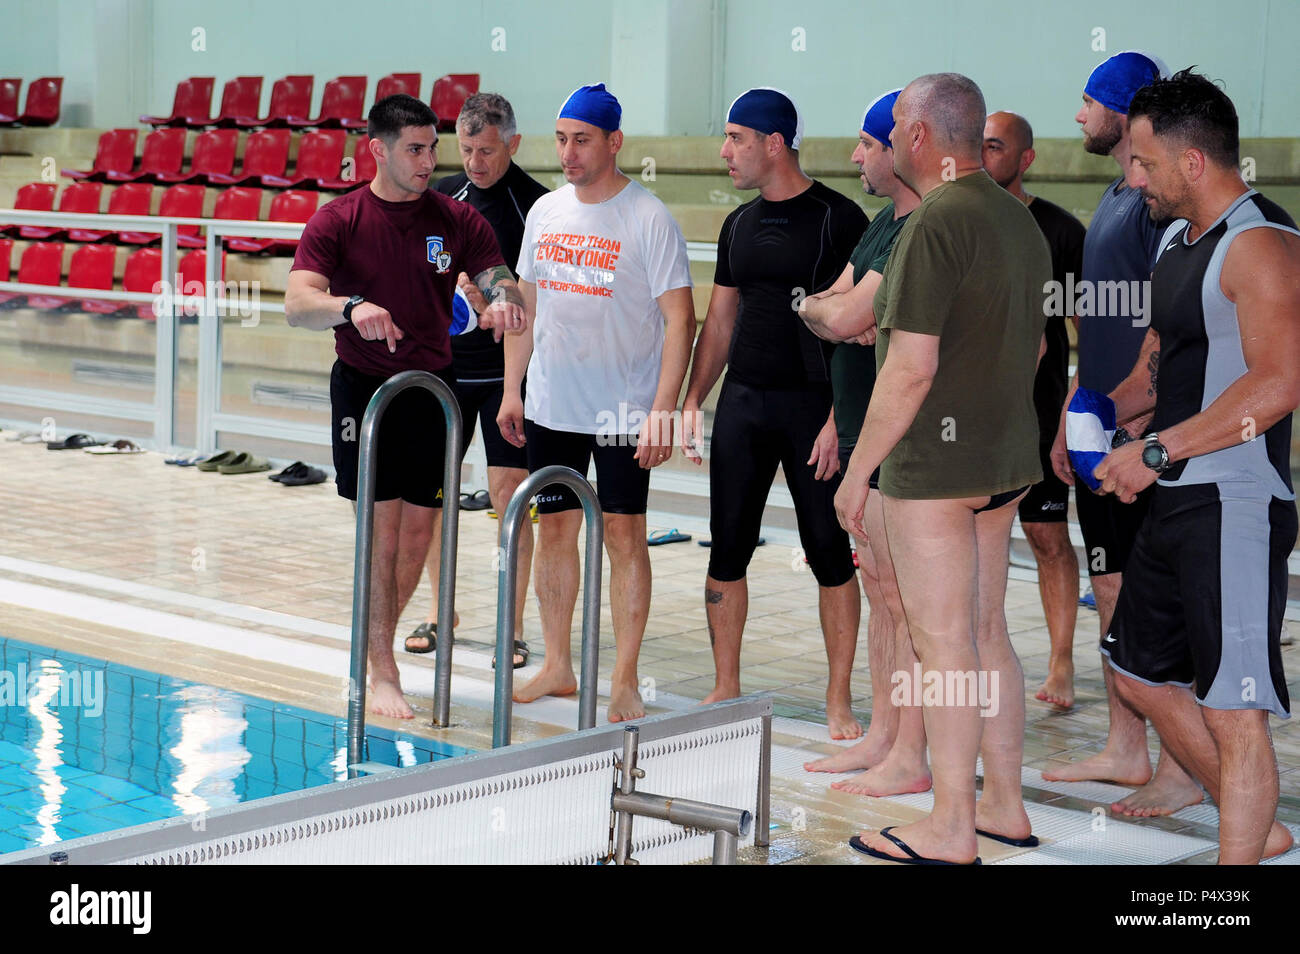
x,y
498,285
1153,366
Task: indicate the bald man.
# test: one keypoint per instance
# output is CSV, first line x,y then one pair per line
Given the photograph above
x,y
951,424
1008,154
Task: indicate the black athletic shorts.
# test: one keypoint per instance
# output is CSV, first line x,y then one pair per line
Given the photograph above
x,y
622,485
412,439
754,430
1048,500
1203,597
845,453
482,399
1109,527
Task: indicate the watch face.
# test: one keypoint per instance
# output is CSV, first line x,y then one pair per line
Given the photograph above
x,y
1153,456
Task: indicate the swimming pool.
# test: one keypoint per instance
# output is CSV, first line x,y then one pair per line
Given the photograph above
x,y
88,746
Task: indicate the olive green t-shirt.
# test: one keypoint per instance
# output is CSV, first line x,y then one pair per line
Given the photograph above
x,y
853,366
969,267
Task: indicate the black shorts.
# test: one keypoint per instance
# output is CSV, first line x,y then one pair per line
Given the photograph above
x,y
845,453
1048,501
1203,598
1109,527
622,485
754,430
482,400
412,439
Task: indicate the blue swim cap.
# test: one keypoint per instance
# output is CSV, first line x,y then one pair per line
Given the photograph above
x,y
593,104
1114,81
768,111
878,120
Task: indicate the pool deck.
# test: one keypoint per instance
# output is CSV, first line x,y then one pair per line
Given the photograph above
x,y
239,582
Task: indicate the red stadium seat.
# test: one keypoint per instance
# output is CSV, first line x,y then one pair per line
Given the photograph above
x,y
290,96
9,89
214,154
266,154
164,152
449,95
193,268
42,264
133,198
43,98
363,169
78,197
143,273
115,152
35,197
320,158
292,206
6,257
394,83
193,100
92,267
239,203
340,105
240,99
181,201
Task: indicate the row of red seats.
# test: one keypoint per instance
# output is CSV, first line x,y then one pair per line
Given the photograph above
x,y
341,103
237,203
91,267
44,97
320,163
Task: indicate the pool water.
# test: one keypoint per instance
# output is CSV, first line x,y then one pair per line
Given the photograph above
x,y
88,746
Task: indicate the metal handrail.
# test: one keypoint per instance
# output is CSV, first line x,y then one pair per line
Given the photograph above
x,y
365,544
512,522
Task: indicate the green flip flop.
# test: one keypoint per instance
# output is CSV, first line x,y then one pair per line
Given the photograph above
x,y
216,460
245,463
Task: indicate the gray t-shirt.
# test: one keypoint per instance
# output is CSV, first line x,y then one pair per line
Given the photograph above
x,y
1120,247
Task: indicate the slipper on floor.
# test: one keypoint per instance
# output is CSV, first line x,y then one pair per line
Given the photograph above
x,y
709,543
521,649
245,463
660,537
479,500
73,442
293,470
857,844
426,631
1030,842
210,464
308,475
122,446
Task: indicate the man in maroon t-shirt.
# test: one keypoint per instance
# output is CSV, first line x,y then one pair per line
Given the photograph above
x,y
379,267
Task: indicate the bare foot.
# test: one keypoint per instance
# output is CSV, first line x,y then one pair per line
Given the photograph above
x,y
1105,766
867,753
1279,841
385,699
720,694
625,703
1162,796
921,837
885,780
1058,688
840,722
551,681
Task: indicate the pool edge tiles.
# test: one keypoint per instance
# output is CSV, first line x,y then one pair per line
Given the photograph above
x,y
89,746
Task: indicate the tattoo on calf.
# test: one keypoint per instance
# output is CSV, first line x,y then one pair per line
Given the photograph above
x,y
1153,366
712,597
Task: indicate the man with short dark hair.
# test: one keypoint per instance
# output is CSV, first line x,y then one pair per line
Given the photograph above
x,y
379,266
502,193
1008,154
1194,640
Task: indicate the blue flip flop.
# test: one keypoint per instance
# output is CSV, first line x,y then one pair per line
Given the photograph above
x,y
857,844
660,537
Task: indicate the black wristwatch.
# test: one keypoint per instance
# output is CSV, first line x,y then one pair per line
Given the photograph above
x,y
351,303
1155,455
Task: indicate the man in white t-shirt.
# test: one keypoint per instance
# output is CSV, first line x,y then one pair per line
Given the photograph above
x,y
607,290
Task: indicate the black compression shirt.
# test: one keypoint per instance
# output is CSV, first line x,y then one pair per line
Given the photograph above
x,y
776,253
475,356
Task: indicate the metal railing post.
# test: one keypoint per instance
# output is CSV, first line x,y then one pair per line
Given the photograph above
x,y
365,544
512,522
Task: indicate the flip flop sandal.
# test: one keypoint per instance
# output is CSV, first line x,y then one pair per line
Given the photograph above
x,y
660,537
479,500
122,446
521,649
426,631
709,543
293,470
1030,842
245,463
308,475
216,460
73,442
857,844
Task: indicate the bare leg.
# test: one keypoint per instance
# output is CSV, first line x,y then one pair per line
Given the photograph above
x,y
556,584
1058,588
401,539
629,585
725,605
840,609
1231,754
502,483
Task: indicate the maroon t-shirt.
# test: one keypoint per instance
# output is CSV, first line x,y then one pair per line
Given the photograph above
x,y
404,256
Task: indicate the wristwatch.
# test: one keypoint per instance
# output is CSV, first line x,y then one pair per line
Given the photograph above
x,y
1122,437
1155,455
351,303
